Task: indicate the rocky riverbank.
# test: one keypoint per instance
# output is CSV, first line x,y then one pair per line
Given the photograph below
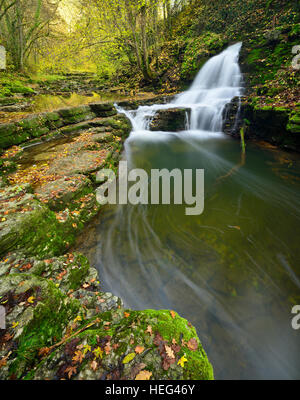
x,y
59,323
279,126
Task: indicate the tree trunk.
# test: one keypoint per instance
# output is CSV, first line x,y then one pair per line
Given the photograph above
x,y
146,69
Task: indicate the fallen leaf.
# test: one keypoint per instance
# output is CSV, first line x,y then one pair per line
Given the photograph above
x,y
182,361
173,314
149,330
31,299
3,362
139,349
143,376
71,370
170,352
193,344
107,348
98,352
44,351
79,356
94,365
129,358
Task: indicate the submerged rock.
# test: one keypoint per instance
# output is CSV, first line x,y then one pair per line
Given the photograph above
x,y
172,120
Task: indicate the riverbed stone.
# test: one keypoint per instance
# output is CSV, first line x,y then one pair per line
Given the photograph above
x,y
171,120
84,162
294,123
105,137
109,350
59,193
103,109
76,114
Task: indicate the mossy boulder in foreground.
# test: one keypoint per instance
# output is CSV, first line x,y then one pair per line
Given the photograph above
x,y
59,325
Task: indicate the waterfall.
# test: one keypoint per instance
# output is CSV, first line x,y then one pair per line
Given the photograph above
x,y
216,84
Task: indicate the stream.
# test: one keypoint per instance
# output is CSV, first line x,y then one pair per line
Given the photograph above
x,y
234,271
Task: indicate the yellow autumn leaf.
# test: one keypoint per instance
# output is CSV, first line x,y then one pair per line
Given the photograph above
x,y
129,358
98,352
31,299
182,361
86,348
15,324
143,376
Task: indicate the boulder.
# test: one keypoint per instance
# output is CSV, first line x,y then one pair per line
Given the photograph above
x,y
171,120
232,121
103,109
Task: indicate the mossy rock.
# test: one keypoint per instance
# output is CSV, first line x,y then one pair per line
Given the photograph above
x,y
30,225
59,193
121,343
37,314
120,123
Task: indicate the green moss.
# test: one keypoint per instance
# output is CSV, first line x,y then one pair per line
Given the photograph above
x,y
198,50
129,331
10,84
44,325
77,275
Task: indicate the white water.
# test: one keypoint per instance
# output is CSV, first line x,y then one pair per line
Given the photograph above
x,y
217,83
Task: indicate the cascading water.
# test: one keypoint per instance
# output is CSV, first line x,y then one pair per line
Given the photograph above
x,y
217,83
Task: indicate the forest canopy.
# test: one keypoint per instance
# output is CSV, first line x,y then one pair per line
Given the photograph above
x,y
129,39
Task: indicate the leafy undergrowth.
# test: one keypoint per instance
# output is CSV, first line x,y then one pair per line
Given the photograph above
x,y
268,61
11,84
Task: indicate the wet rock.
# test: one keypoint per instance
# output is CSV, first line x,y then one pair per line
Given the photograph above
x,y
107,351
64,121
105,137
60,325
119,124
25,223
75,115
62,191
69,129
15,108
294,123
232,121
84,162
103,109
172,120
36,312
282,129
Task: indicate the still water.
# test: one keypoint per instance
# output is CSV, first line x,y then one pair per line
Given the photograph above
x,y
233,272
